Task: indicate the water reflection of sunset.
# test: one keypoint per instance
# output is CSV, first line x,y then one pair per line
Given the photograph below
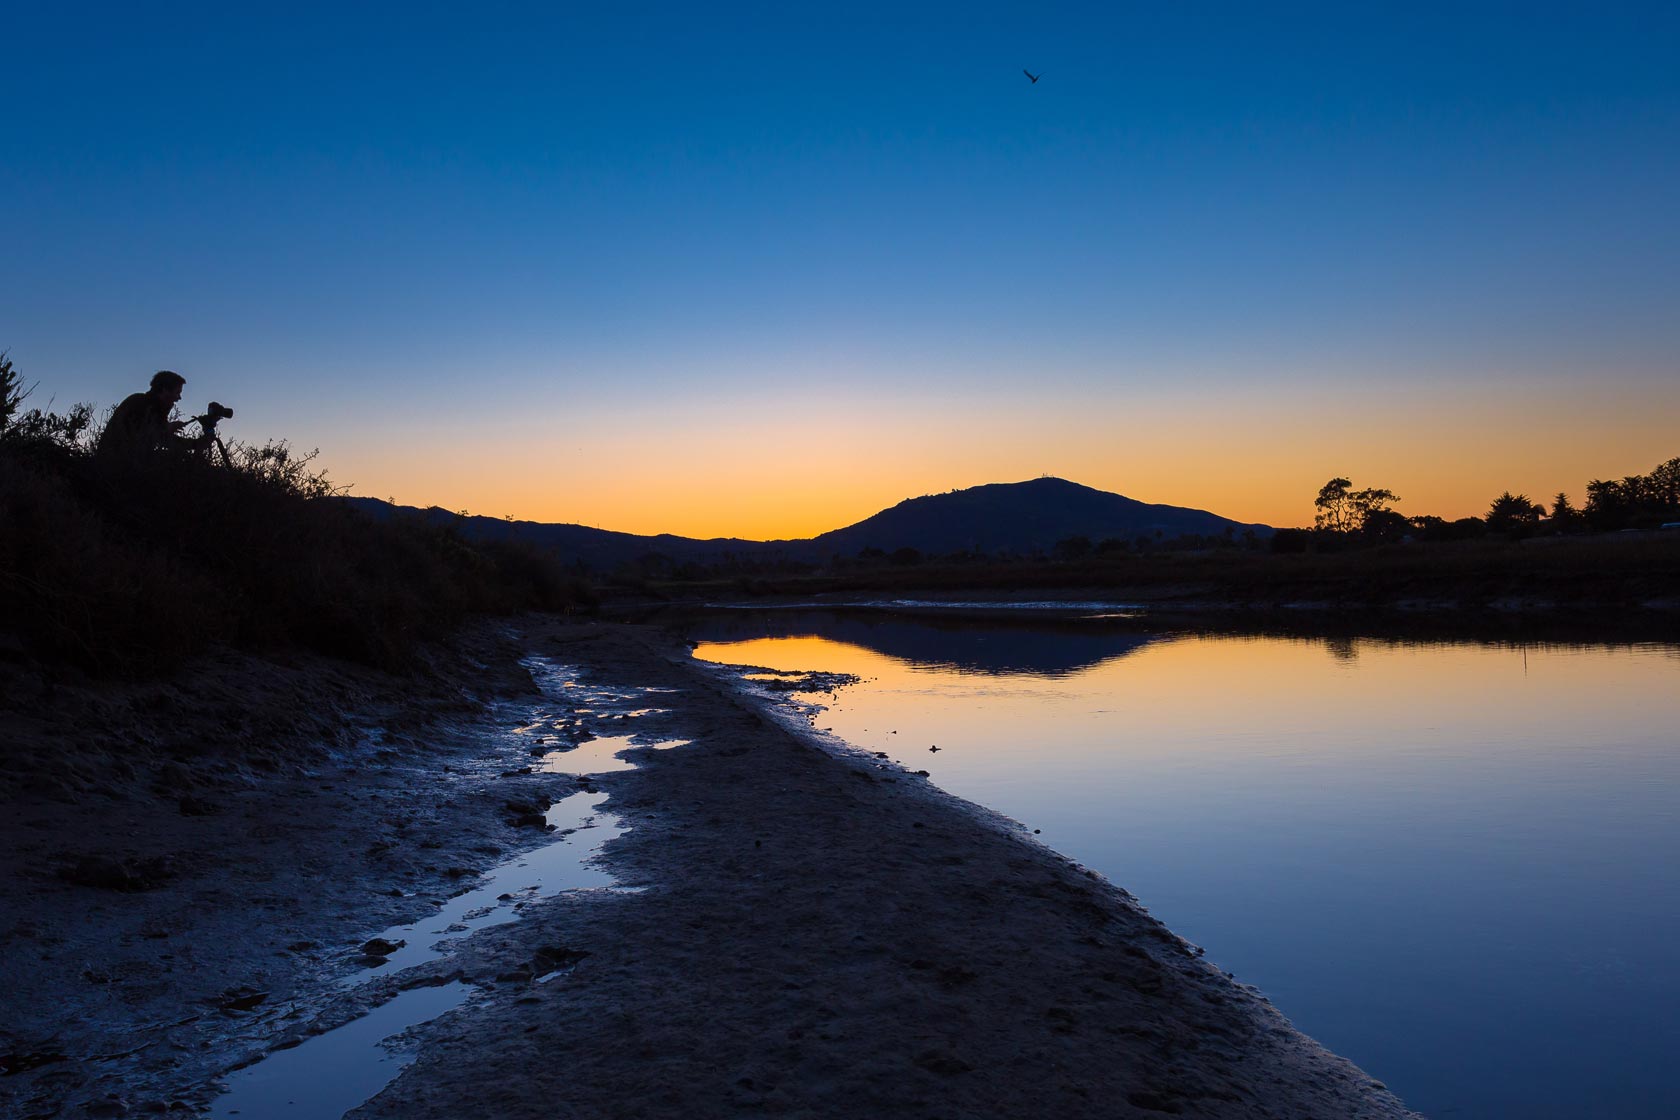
x,y
1218,685
1425,854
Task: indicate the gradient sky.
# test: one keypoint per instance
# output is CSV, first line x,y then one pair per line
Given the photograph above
x,y
761,270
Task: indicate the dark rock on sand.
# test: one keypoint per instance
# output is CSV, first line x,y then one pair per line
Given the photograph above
x,y
551,958
241,999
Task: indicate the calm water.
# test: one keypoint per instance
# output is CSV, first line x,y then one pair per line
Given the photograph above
x,y
1454,863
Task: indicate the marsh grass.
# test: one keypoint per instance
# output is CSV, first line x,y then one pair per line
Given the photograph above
x,y
1604,571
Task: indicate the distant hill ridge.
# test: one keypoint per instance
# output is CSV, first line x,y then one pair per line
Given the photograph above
x,y
1020,518
1014,518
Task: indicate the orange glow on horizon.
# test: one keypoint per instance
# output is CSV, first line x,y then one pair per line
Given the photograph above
x,y
789,470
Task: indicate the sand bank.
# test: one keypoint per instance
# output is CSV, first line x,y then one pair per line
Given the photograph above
x,y
818,933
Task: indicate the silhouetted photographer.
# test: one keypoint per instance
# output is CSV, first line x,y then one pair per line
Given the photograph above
x,y
144,422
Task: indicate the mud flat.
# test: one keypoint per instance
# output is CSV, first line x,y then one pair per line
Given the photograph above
x,y
792,928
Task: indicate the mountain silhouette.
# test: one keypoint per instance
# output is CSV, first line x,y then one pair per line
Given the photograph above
x,y
1019,518
1015,518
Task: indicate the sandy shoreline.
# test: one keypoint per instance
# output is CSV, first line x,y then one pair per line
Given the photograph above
x,y
820,933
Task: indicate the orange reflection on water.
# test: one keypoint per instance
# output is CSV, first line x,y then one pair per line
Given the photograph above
x,y
1208,693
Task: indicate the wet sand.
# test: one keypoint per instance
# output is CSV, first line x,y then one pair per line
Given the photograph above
x,y
818,933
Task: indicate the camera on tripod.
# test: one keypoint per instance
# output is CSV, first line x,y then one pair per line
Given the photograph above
x,y
214,414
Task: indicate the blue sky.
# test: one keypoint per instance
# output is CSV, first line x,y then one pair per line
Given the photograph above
x,y
505,255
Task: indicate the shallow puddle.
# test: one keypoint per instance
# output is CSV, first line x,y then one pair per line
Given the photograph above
x,y
600,756
332,1073
597,756
337,1071
560,866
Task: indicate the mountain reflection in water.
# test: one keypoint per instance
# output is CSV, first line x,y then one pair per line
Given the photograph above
x,y
1445,853
1044,647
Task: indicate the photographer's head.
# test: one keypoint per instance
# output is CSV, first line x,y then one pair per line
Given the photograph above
x,y
167,385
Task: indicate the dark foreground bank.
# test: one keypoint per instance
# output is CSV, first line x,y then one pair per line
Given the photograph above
x,y
820,933
127,565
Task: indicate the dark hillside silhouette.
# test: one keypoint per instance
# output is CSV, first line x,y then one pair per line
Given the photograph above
x,y
597,550
1019,518
133,565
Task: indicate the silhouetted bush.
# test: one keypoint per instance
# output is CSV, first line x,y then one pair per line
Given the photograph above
x,y
1430,528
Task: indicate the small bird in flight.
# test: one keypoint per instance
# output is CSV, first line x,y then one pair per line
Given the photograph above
x,y
1031,75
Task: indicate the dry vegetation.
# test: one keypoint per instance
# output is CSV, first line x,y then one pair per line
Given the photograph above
x,y
133,567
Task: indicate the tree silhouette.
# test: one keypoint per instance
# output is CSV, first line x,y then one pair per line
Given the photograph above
x,y
1663,486
1335,506
1382,523
1637,501
1513,512
1609,503
12,391
1565,517
1342,509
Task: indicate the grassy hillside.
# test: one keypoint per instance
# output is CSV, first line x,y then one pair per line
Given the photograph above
x,y
132,567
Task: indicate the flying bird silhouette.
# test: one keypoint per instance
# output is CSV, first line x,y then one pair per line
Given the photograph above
x,y
1031,75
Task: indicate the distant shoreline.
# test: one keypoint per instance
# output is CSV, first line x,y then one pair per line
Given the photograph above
x,y
1526,627
1627,576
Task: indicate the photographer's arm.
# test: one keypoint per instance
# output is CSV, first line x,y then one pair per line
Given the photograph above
x,y
178,442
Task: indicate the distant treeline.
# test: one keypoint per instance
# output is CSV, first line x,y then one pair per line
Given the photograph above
x,y
1359,552
1346,520
1349,518
131,567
